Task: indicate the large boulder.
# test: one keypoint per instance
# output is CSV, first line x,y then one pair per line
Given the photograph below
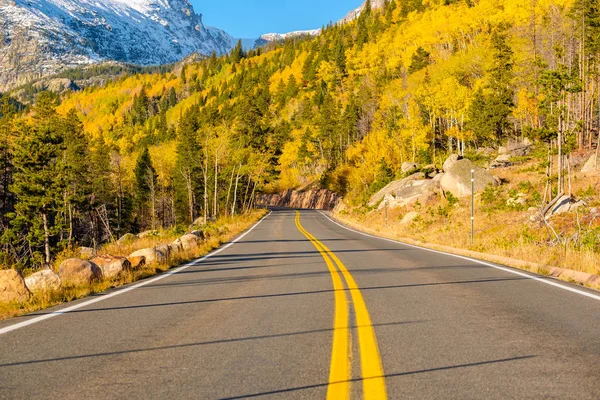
x,y
12,286
43,281
450,161
457,179
516,148
409,167
392,187
188,242
164,249
502,161
151,255
199,222
564,205
111,266
591,167
75,271
411,193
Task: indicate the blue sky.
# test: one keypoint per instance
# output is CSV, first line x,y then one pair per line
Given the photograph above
x,y
252,18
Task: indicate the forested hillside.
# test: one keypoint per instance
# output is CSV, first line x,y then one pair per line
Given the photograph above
x,y
413,81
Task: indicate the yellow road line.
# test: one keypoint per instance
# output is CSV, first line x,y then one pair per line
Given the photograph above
x,y
371,367
339,370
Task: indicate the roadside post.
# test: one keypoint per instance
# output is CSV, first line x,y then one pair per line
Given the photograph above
x,y
386,212
472,207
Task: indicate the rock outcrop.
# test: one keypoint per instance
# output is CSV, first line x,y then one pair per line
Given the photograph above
x,y
457,179
12,286
43,281
411,192
310,199
393,187
111,266
75,271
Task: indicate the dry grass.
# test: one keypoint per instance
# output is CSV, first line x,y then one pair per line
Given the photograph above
x,y
220,232
500,229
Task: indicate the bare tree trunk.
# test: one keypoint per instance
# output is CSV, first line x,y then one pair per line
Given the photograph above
x,y
205,172
46,239
216,197
237,179
229,191
70,224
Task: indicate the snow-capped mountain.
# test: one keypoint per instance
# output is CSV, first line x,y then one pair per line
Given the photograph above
x,y
351,16
42,37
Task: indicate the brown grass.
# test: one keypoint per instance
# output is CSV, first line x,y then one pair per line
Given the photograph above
x,y
220,232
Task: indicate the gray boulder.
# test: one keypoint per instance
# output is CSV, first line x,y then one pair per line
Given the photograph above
x,y
502,161
457,179
392,187
189,242
409,167
151,256
565,205
12,286
199,234
111,266
43,281
412,192
75,271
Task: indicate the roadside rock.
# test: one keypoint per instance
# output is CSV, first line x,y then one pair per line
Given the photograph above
x,y
450,161
79,272
516,148
564,205
409,167
112,266
151,255
137,262
12,286
591,167
199,222
165,249
502,161
43,281
457,179
409,218
127,238
188,242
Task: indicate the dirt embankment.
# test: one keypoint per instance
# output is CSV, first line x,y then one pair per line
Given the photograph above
x,y
322,199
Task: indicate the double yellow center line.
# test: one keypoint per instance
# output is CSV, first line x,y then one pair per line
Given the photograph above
x,y
370,360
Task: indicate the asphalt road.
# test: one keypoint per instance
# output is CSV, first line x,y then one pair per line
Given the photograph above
x,y
262,319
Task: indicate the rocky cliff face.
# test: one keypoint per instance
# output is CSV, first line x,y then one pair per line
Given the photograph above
x,y
311,199
43,37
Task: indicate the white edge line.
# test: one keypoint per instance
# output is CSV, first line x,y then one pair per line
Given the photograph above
x,y
119,292
512,271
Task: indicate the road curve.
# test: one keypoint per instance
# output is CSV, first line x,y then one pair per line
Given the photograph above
x,y
263,319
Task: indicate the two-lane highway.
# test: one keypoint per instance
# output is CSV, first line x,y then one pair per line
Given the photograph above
x,y
301,307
